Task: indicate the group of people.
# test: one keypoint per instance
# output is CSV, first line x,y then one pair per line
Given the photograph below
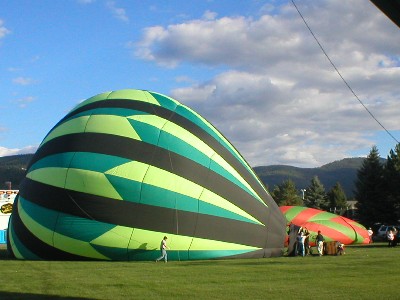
x,y
303,247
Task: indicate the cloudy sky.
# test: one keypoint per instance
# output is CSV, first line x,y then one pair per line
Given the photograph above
x,y
252,68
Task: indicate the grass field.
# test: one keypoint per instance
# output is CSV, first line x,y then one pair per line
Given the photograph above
x,y
364,272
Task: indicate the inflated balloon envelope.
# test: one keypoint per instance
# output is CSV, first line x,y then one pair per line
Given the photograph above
x,y
125,168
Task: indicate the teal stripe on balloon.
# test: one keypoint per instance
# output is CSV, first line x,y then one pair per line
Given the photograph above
x,y
152,195
164,101
44,216
65,224
113,253
175,144
212,254
61,160
81,160
23,251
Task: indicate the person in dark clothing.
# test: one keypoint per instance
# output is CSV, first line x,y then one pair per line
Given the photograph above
x,y
319,240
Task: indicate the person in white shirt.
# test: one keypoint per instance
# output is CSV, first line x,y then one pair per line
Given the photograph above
x,y
163,249
370,233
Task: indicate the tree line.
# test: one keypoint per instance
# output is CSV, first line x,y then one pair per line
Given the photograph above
x,y
377,191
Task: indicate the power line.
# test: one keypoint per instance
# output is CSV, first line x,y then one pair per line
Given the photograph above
x,y
340,75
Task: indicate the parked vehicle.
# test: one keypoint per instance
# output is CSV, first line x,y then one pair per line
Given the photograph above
x,y
383,230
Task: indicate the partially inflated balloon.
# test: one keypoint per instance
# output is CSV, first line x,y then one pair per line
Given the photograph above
x,y
333,227
123,169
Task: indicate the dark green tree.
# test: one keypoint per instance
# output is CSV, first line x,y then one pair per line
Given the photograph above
x,y
392,179
370,191
315,195
286,194
337,199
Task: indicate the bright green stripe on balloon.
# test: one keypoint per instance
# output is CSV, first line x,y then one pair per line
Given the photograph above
x,y
76,125
191,189
338,227
106,124
322,216
151,195
198,150
96,98
205,244
181,243
137,95
77,180
118,236
203,123
90,182
165,198
154,239
176,184
291,213
76,247
51,176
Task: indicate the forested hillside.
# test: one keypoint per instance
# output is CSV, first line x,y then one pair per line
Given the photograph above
x,y
343,171
12,169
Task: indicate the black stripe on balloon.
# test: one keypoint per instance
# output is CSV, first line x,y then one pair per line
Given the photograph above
x,y
147,153
143,216
35,245
184,123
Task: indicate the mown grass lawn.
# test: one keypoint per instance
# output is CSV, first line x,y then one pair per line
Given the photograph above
x,y
364,272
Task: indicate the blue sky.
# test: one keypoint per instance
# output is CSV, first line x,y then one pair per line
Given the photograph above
x,y
250,67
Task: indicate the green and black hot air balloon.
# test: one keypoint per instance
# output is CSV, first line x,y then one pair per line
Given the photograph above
x,y
125,168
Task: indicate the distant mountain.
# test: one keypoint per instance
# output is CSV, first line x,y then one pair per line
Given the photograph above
x,y
12,168
343,171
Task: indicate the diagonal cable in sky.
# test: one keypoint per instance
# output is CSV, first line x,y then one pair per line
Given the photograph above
x,y
340,75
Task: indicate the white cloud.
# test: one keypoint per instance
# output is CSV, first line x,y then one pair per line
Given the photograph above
x,y
23,102
118,12
23,80
86,1
279,100
3,30
15,151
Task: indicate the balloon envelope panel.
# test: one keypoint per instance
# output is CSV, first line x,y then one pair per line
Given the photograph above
x,y
125,168
333,227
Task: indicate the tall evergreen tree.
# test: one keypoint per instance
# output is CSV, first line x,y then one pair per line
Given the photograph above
x,y
371,190
286,194
392,179
315,195
337,198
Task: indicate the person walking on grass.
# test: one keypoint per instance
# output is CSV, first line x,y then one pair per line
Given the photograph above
x,y
163,249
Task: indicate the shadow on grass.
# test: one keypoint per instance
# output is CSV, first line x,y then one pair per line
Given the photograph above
x,y
11,296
